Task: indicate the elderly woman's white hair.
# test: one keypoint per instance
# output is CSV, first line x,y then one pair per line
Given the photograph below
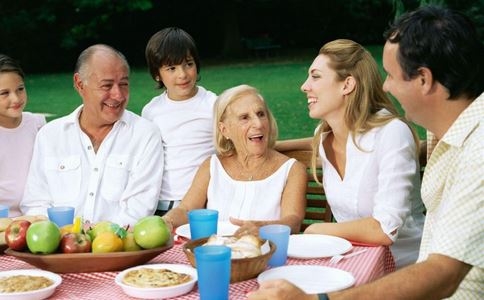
x,y
224,146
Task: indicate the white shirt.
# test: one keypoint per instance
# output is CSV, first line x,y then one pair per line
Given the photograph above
x,y
16,149
382,182
187,135
119,183
246,200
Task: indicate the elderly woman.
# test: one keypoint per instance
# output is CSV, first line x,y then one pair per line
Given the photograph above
x,y
247,181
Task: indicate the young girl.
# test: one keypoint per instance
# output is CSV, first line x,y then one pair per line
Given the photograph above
x,y
17,134
183,112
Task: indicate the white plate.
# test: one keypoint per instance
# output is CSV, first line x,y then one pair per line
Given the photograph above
x,y
311,279
307,246
162,292
223,228
32,295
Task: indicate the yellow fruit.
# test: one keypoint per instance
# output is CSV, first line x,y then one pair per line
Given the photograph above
x,y
76,228
129,244
72,228
66,229
107,242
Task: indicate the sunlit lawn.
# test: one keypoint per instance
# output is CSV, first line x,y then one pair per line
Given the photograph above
x,y
277,78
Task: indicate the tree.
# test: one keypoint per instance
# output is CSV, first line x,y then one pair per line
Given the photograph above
x,y
47,34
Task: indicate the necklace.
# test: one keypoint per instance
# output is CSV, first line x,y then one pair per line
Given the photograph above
x,y
250,176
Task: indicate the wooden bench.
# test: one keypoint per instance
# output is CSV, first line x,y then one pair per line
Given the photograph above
x,y
317,208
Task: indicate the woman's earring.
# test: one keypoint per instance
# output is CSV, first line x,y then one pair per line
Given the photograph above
x,y
157,78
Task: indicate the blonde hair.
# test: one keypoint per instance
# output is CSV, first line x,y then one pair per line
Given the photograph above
x,y
224,146
348,58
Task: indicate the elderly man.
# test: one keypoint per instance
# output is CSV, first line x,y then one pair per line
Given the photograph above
x,y
102,159
434,64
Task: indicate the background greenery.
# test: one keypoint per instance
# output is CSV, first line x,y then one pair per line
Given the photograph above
x,y
48,35
277,78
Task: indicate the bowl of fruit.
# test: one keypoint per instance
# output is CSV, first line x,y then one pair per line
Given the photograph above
x,y
104,246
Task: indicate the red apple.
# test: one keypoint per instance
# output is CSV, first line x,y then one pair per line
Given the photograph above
x,y
75,243
16,235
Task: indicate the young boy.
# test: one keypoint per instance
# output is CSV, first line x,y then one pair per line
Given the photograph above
x,y
183,112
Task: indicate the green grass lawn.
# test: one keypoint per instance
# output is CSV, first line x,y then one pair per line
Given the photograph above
x,y
277,78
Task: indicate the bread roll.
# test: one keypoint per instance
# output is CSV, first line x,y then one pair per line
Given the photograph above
x,y
244,247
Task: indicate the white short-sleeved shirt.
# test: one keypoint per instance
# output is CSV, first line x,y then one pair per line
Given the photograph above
x,y
246,200
381,181
453,192
119,183
187,135
16,146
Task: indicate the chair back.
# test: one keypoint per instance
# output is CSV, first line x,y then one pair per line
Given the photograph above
x,y
317,208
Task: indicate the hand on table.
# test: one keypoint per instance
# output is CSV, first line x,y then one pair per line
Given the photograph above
x,y
279,289
246,227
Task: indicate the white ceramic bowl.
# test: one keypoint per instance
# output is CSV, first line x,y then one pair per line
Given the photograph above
x,y
32,295
162,292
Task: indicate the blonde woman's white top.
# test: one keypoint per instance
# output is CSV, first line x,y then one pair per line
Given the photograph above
x,y
247,200
382,180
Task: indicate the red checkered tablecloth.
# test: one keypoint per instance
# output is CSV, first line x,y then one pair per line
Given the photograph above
x,y
368,266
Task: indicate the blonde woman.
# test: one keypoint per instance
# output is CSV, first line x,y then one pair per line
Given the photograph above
x,y
247,181
369,155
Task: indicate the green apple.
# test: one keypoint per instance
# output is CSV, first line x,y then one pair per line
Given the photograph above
x,y
129,244
151,232
43,237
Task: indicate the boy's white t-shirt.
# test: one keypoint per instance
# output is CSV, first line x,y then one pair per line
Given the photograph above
x,y
16,149
187,135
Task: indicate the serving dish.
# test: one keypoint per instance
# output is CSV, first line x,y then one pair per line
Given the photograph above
x,y
31,295
311,279
89,262
161,292
308,246
240,269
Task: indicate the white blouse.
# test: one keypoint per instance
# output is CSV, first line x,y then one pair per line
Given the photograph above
x,y
381,181
246,200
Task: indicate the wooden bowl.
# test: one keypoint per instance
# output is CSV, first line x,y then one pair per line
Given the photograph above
x,y
89,262
241,268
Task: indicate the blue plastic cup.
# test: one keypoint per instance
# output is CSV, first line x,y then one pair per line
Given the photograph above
x,y
4,211
213,270
279,235
203,223
61,215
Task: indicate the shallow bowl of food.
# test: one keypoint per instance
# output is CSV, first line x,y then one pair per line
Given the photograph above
x,y
241,268
28,284
157,281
